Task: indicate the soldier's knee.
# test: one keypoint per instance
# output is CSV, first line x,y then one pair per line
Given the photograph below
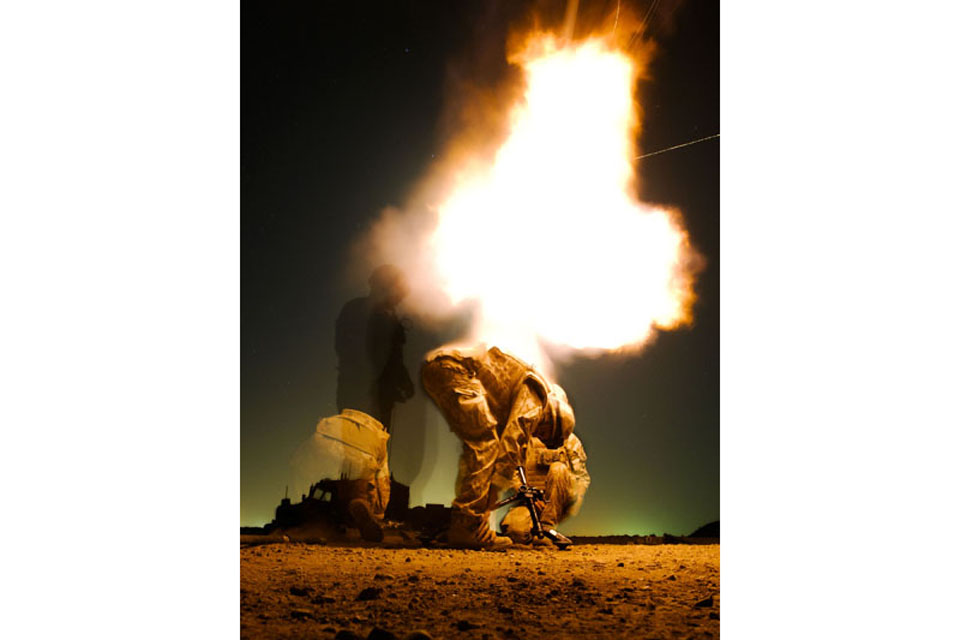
x,y
558,470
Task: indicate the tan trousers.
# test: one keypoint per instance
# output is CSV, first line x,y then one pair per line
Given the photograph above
x,y
463,401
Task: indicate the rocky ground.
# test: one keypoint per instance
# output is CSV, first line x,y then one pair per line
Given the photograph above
x,y
297,590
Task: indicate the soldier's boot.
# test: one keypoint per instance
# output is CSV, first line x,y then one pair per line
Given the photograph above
x,y
545,525
552,535
469,531
541,542
516,526
517,536
548,521
370,529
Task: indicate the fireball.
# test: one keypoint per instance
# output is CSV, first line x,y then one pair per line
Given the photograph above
x,y
550,239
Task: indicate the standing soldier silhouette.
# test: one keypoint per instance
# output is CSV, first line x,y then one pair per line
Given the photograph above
x,y
372,376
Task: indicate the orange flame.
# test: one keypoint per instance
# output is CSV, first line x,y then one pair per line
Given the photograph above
x,y
548,236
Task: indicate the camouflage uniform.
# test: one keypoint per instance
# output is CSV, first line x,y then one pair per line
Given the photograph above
x,y
494,403
562,474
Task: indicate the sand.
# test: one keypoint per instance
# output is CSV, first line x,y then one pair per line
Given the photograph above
x,y
297,590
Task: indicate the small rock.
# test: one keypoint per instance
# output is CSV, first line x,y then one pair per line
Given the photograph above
x,y
671,577
301,614
381,634
408,559
418,635
383,576
511,578
466,625
323,600
300,591
607,610
577,582
370,593
413,578
714,615
706,602
619,564
503,609
346,634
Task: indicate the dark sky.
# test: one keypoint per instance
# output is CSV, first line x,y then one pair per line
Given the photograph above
x,y
341,106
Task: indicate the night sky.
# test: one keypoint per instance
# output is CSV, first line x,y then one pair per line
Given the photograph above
x,y
342,112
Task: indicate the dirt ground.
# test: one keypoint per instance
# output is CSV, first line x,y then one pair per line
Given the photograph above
x,y
298,590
